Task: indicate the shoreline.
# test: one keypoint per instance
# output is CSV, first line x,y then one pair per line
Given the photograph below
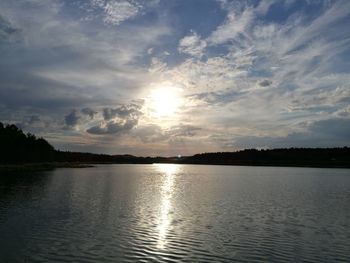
x,y
48,166
37,167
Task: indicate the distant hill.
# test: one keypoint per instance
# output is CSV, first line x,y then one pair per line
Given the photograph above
x,y
17,147
318,157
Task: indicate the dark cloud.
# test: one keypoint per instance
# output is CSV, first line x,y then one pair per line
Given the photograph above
x,y
344,112
337,128
89,112
113,127
125,111
18,93
72,118
37,125
109,113
265,83
118,120
7,31
28,121
108,128
32,119
345,99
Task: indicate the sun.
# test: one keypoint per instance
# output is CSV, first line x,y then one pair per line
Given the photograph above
x,y
165,100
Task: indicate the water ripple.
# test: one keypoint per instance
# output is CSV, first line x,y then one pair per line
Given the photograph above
x,y
173,213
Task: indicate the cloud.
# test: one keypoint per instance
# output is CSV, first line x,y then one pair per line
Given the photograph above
x,y
235,24
117,120
182,131
128,111
265,83
88,111
157,66
247,76
8,33
64,62
114,12
29,121
32,119
345,112
72,118
215,73
112,127
336,128
150,133
324,133
192,45
119,11
219,97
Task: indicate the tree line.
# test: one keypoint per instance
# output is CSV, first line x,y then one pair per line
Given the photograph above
x,y
18,147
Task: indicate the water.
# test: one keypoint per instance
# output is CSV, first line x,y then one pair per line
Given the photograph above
x,y
176,213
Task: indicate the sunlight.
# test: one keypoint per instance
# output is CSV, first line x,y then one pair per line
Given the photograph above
x,y
168,172
165,100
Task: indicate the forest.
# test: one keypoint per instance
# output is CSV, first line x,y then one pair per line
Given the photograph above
x,y
16,147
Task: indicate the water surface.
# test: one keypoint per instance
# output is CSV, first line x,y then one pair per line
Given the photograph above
x,y
176,213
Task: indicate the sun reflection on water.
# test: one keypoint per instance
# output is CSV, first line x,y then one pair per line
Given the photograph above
x,y
168,175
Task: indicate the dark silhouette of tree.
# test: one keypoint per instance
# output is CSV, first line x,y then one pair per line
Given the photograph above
x,y
17,147
320,157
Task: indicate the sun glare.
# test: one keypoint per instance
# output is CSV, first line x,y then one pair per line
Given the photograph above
x,y
168,172
165,101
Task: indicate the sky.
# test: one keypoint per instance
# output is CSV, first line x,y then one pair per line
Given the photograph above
x,y
169,77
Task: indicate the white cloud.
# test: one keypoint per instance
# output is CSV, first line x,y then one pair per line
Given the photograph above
x,y
119,11
249,77
115,12
294,61
192,45
235,24
157,66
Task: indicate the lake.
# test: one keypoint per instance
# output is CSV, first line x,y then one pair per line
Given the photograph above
x,y
176,213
